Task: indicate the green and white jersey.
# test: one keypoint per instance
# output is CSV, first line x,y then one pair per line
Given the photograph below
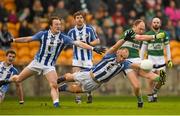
x,y
132,45
156,47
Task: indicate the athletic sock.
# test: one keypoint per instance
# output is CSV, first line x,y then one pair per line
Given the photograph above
x,y
139,99
150,97
56,103
61,79
155,90
89,94
63,87
157,79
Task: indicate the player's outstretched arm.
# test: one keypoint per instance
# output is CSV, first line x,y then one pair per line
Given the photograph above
x,y
99,50
135,66
115,47
128,35
95,42
160,35
23,39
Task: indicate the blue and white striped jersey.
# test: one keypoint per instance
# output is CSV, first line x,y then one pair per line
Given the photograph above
x,y
87,35
50,46
108,67
5,73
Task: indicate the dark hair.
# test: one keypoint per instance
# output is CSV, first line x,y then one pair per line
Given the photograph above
x,y
53,18
79,13
10,51
136,22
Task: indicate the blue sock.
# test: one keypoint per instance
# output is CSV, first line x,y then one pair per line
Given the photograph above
x,y
61,79
63,87
56,104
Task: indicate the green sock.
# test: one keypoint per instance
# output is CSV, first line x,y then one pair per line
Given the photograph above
x,y
155,90
157,79
139,99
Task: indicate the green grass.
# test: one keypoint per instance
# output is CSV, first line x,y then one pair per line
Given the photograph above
x,y
102,105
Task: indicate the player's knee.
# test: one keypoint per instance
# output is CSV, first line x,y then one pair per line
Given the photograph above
x,y
53,86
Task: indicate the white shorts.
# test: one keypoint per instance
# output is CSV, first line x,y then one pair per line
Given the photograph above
x,y
40,68
84,64
133,60
157,60
2,96
86,82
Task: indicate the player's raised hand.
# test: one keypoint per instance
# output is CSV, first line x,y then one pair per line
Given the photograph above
x,y
129,35
170,64
99,50
160,35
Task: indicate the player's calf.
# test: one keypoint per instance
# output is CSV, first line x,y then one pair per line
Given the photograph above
x,y
162,77
89,97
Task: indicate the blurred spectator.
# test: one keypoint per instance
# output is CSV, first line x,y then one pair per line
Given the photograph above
x,y
107,23
24,29
12,17
118,18
3,12
110,40
111,3
69,22
37,9
60,10
139,7
170,29
132,15
118,31
50,12
100,15
101,35
73,5
150,13
22,4
130,18
178,31
151,3
163,17
172,12
5,36
24,14
95,5
36,25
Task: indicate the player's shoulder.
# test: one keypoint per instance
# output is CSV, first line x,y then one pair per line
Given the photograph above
x,y
71,30
14,69
162,31
150,32
126,62
43,32
63,35
89,27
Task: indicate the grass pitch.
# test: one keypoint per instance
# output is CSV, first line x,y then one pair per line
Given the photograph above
x,y
102,105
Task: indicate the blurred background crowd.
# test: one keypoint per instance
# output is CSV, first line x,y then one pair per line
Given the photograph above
x,y
108,17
